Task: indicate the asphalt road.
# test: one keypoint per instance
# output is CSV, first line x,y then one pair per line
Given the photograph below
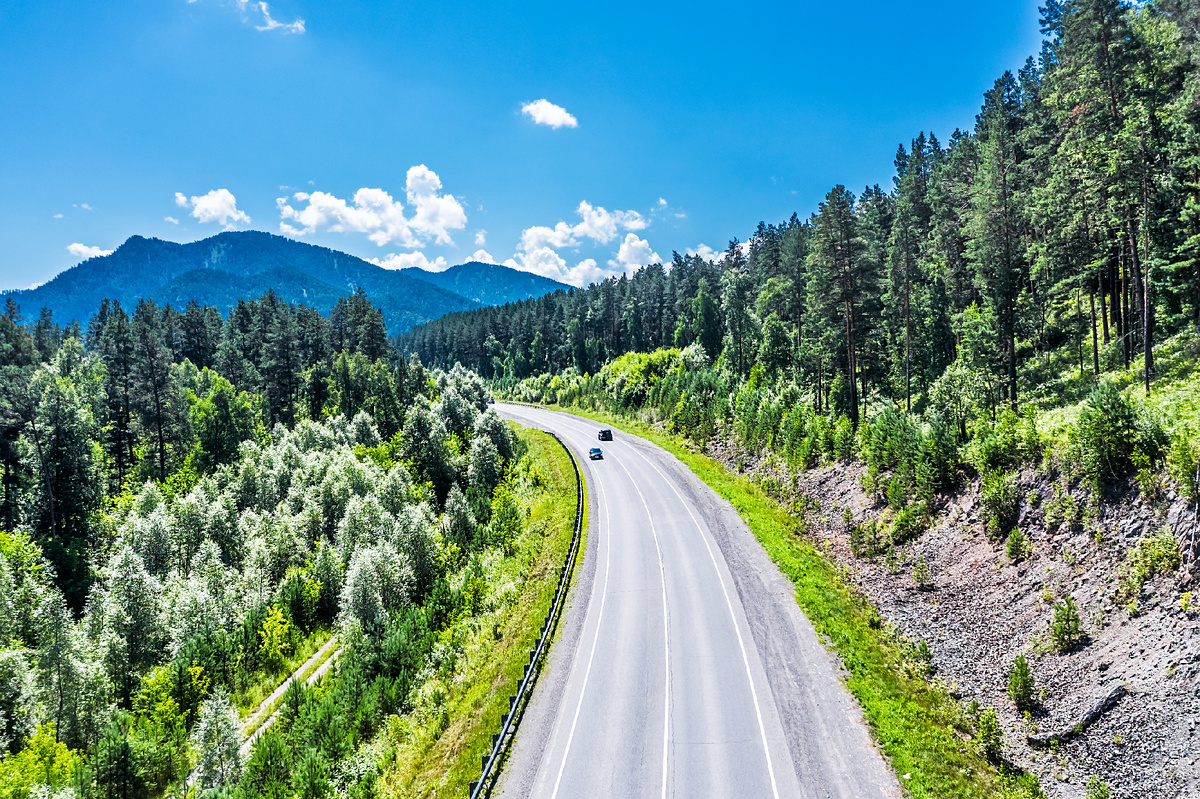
x,y
685,668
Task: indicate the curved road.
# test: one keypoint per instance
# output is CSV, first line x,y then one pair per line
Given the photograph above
x,y
685,667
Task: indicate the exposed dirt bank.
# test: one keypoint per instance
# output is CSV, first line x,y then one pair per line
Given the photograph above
x,y
980,610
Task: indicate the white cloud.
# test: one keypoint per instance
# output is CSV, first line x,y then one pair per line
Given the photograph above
x,y
85,206
83,252
268,23
171,219
219,206
544,112
540,236
435,214
544,261
483,256
378,214
536,251
58,216
480,238
705,252
662,203
407,260
601,225
634,253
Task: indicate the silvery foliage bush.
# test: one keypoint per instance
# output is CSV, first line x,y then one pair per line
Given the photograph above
x,y
379,582
211,558
216,741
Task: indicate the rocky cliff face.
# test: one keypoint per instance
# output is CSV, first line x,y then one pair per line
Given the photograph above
x,y
980,609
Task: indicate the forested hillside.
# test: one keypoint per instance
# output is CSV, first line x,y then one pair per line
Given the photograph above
x,y
195,507
1069,216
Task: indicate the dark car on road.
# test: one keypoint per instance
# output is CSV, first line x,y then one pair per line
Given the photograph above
x,y
605,435
595,454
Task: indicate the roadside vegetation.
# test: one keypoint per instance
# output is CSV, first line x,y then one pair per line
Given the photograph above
x,y
435,749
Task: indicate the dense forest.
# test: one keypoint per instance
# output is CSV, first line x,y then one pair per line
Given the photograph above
x,y
195,505
1069,216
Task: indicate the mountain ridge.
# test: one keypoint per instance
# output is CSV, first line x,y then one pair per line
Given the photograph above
x,y
221,269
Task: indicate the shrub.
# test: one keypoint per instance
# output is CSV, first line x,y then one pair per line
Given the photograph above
x,y
843,439
1020,683
1001,503
909,523
1066,630
890,440
897,493
989,737
1098,788
866,540
1017,545
1183,463
921,574
1109,430
1152,555
1008,442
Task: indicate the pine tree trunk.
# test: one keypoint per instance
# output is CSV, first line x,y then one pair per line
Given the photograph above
x,y
1103,306
1095,343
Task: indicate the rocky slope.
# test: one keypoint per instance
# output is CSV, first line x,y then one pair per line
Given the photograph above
x,y
981,610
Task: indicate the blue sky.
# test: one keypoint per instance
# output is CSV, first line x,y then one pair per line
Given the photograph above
x,y
396,131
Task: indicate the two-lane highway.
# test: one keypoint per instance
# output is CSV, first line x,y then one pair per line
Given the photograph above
x,y
662,683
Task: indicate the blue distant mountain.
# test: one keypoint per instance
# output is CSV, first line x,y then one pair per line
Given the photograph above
x,y
244,264
489,284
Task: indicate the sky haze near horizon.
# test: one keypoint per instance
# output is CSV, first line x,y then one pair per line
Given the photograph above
x,y
574,142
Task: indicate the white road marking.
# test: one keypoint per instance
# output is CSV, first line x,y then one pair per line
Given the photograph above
x,y
662,573
728,603
595,638
762,730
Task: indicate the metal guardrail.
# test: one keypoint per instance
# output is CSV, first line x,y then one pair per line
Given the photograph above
x,y
502,740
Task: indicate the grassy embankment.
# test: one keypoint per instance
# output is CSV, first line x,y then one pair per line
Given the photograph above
x,y
435,750
924,732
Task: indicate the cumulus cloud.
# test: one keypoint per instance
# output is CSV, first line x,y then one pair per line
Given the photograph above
x,y
378,214
599,225
705,252
171,219
58,216
260,11
83,252
407,260
536,251
483,256
480,238
219,206
634,252
544,112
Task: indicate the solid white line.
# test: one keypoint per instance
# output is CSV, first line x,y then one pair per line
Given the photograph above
x,y
662,573
762,730
728,603
595,638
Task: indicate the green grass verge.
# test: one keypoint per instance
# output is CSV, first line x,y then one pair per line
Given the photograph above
x,y
922,729
436,750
